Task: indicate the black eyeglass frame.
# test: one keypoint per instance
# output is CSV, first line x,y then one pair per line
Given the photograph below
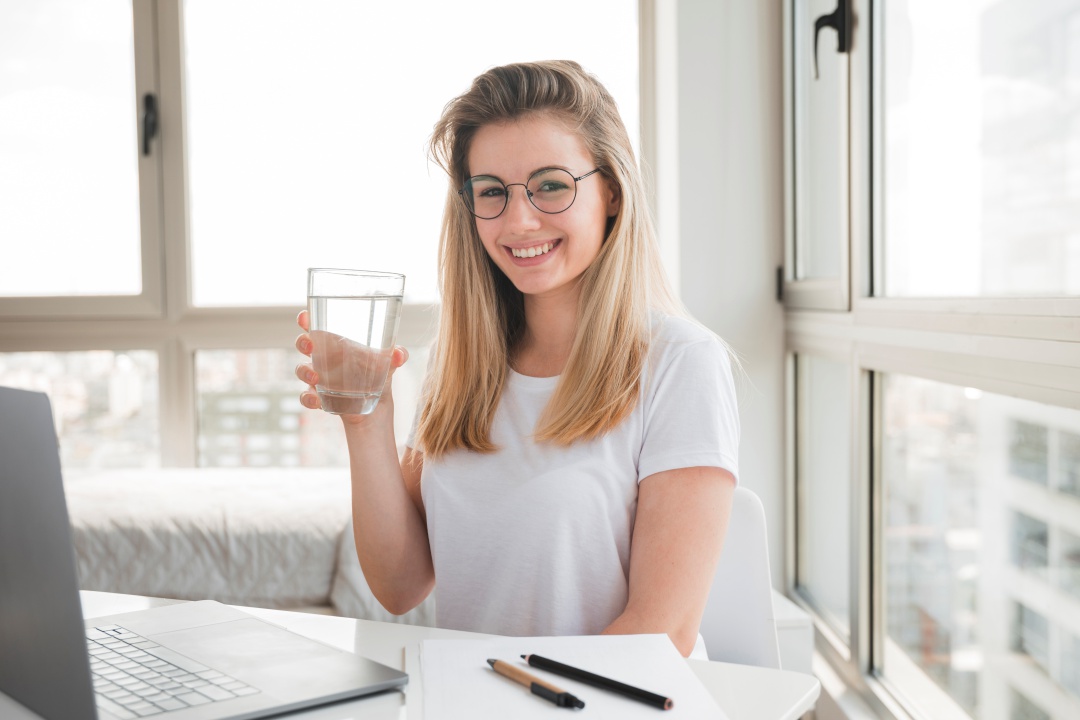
x,y
528,193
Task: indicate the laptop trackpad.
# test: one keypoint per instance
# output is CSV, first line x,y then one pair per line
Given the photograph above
x,y
270,658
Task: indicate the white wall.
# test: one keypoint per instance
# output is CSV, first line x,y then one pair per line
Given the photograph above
x,y
725,62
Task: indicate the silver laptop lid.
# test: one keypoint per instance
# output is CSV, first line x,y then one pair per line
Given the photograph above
x,y
42,645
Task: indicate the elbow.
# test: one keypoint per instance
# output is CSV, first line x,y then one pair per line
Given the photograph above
x,y
401,602
685,640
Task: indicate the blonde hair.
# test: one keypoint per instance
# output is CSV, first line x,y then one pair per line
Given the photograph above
x,y
483,314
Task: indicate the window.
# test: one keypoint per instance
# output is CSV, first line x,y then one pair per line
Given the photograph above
x,y
177,249
964,600
823,451
954,126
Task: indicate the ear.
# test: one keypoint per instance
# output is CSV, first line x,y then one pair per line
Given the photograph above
x,y
614,198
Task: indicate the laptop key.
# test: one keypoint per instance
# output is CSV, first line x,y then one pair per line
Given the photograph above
x,y
194,698
151,710
171,704
215,693
176,659
118,710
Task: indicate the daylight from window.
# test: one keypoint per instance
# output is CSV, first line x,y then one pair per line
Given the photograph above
x,y
982,148
982,550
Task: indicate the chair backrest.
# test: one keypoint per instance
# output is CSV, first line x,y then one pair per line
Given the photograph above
x,y
738,624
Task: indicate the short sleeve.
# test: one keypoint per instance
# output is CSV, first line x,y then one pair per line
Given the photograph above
x,y
691,416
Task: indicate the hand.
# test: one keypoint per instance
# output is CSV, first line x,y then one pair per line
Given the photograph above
x,y
355,357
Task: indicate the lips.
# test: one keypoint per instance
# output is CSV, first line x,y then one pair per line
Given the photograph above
x,y
533,254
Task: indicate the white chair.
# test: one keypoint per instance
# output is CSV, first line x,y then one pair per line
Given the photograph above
x,y
738,624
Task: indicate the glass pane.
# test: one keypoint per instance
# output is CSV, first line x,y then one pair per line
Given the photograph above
x,y
250,412
69,187
982,147
821,141
982,547
307,149
824,486
105,403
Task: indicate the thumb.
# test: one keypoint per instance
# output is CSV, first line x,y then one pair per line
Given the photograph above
x,y
399,357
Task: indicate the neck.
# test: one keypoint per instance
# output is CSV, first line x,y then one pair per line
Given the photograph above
x,y
550,328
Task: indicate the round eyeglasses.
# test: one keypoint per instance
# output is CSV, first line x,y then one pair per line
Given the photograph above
x,y
550,190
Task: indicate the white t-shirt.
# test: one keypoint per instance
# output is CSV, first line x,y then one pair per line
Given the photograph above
x,y
535,539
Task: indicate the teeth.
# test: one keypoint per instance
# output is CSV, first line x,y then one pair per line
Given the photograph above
x,y
531,252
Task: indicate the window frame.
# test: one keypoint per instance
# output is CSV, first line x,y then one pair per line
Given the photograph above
x,y
810,293
150,300
1025,347
163,318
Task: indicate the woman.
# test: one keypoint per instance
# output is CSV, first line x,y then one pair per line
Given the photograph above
x,y
574,456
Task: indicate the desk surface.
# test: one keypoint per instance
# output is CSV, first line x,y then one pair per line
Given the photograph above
x,y
742,691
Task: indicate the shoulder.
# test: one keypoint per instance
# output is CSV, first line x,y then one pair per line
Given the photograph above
x,y
677,340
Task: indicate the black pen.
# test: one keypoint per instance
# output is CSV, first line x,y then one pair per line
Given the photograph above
x,y
599,681
539,687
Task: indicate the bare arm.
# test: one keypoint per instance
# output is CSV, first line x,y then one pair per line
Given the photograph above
x,y
682,518
388,518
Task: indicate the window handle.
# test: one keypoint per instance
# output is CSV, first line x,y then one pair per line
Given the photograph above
x,y
150,121
840,21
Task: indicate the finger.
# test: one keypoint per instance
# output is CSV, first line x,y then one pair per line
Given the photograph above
x,y
303,320
304,344
400,357
310,400
307,374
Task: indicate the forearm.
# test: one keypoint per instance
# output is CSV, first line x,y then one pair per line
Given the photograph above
x,y
681,521
683,631
390,531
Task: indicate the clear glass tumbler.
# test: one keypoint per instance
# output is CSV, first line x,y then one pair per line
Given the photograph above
x,y
354,320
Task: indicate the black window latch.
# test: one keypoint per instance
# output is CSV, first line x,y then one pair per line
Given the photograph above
x,y
150,121
840,21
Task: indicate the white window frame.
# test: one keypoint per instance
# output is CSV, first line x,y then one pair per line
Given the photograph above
x,y
1023,347
162,318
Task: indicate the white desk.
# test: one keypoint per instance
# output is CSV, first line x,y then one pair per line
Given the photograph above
x,y
744,692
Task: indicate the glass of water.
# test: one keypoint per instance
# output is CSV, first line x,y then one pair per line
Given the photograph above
x,y
354,319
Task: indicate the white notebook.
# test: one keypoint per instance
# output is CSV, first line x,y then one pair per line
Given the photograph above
x,y
458,684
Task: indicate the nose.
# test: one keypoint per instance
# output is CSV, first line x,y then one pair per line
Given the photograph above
x,y
521,214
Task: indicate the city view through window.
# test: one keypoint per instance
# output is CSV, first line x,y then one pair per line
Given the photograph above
x,y
982,548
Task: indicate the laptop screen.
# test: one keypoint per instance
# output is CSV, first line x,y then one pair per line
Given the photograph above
x,y
43,661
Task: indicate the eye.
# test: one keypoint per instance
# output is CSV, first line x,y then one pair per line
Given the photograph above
x,y
548,186
494,191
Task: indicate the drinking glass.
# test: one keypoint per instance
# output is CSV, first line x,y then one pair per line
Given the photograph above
x,y
353,321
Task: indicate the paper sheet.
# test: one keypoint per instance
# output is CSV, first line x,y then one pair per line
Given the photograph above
x,y
458,683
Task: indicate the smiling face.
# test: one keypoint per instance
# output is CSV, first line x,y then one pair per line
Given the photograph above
x,y
542,254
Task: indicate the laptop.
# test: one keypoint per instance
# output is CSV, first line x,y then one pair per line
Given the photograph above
x,y
189,661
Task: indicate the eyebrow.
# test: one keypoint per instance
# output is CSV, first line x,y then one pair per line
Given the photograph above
x,y
539,169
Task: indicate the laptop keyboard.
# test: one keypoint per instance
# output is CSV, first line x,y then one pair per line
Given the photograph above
x,y
135,677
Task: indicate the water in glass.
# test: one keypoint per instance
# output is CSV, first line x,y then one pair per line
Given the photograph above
x,y
354,339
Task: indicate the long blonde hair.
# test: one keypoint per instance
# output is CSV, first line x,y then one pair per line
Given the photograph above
x,y
483,314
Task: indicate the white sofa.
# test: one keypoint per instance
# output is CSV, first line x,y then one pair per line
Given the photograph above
x,y
279,538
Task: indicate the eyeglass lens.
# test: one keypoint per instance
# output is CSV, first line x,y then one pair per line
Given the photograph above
x,y
551,191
